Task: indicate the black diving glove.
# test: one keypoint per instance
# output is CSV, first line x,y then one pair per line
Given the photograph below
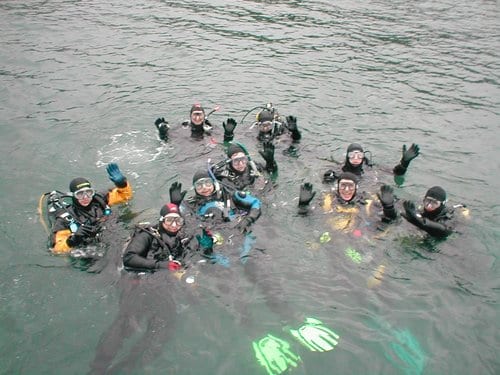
x,y
386,197
407,156
162,127
268,155
83,231
411,214
330,176
229,127
176,193
291,122
306,194
116,175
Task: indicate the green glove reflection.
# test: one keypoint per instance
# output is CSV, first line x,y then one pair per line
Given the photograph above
x,y
275,354
315,336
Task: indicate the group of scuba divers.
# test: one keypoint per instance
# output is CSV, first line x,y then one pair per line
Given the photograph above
x,y
230,193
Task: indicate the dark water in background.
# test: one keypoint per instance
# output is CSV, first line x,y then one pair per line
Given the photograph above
x,y
83,81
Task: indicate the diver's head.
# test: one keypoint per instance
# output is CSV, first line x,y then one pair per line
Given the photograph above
x,y
82,191
197,115
434,201
347,186
265,123
203,183
238,158
170,218
354,155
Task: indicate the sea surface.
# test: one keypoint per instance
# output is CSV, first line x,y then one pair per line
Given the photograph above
x,y
82,83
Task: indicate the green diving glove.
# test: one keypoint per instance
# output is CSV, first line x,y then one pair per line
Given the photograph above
x,y
315,336
275,354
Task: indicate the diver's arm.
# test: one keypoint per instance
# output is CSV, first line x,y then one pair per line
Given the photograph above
x,y
436,229
123,191
433,228
137,250
119,194
407,156
305,197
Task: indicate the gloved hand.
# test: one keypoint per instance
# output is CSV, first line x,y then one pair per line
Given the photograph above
x,y
386,196
411,214
409,154
171,265
229,127
83,231
306,194
330,176
206,241
162,127
116,175
176,193
410,209
268,155
291,122
244,224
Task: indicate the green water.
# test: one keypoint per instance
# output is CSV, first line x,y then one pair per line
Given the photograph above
x,y
83,82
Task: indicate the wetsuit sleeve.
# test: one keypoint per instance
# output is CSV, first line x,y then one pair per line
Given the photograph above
x,y
119,194
136,253
433,228
436,229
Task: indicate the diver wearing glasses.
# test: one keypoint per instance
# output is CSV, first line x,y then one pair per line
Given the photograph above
x,y
271,125
165,245
81,222
434,216
198,124
350,209
240,172
215,204
356,157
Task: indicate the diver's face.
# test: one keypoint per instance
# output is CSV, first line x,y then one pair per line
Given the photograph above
x,y
431,204
84,196
172,223
347,189
198,117
356,157
265,127
204,187
239,161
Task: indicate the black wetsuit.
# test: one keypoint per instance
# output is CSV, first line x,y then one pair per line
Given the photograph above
x,y
150,246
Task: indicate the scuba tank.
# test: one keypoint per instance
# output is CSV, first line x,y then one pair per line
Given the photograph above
x,y
50,206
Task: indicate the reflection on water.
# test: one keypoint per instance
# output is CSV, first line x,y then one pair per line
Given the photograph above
x,y
82,84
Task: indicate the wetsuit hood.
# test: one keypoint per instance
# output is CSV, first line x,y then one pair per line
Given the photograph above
x,y
348,167
439,194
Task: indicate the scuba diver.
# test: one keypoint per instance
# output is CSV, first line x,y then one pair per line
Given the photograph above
x,y
198,124
356,157
214,204
146,293
344,197
272,125
240,172
81,221
435,218
165,245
